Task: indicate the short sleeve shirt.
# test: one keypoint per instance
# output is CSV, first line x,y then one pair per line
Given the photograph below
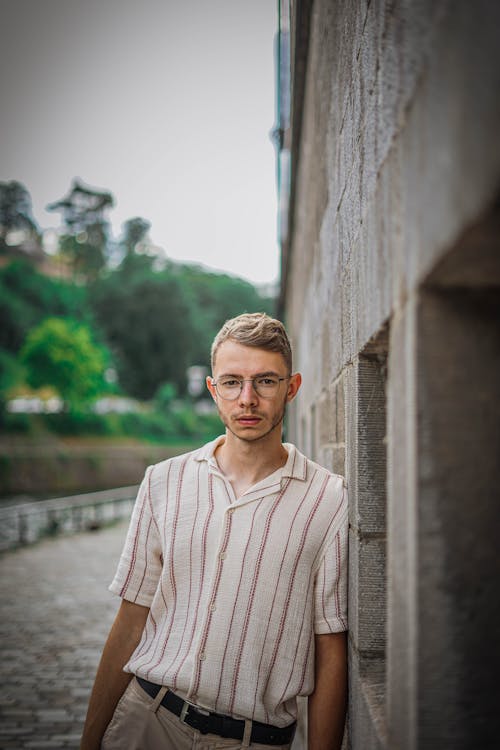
x,y
237,587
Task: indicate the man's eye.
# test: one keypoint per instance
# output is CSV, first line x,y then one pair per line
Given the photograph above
x,y
230,383
267,381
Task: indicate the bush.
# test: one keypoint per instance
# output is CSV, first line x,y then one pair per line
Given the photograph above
x,y
171,426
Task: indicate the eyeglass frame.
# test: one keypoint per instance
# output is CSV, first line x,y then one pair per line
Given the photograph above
x,y
242,381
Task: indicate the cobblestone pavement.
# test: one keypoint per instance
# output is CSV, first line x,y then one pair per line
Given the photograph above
x,y
56,613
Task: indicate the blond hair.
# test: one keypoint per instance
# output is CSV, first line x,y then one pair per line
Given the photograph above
x,y
258,330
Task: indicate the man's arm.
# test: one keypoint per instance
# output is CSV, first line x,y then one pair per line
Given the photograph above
x,y
111,681
327,704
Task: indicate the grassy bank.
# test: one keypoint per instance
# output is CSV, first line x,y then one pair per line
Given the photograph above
x,y
67,465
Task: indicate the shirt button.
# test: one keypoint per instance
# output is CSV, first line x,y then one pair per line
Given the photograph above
x,y
202,656
213,607
223,555
231,510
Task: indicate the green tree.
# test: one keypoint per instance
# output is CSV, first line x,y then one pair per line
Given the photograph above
x,y
134,232
16,214
61,353
86,236
214,298
27,297
146,320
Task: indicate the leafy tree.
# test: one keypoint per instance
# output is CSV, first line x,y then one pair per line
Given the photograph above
x,y
26,297
61,353
85,240
147,323
215,298
16,212
159,323
11,372
134,232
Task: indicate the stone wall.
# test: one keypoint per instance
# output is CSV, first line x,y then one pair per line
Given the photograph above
x,y
390,292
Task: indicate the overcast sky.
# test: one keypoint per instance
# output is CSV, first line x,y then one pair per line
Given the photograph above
x,y
168,104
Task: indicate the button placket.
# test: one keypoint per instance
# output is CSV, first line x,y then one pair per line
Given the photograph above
x,y
220,557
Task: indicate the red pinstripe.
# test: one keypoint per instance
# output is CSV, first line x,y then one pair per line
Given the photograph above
x,y
136,541
171,559
323,582
203,569
145,560
276,587
228,637
291,582
215,588
337,582
303,617
252,594
145,637
174,681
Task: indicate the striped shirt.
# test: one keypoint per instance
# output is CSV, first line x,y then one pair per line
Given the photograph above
x,y
237,587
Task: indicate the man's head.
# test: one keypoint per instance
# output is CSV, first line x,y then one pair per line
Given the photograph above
x,y
258,330
252,379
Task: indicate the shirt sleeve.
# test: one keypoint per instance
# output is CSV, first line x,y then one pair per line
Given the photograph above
x,y
140,565
330,591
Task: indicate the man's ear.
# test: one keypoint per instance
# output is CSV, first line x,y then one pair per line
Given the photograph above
x,y
211,387
293,386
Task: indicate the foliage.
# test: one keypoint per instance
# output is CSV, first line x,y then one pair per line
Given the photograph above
x,y
85,251
164,396
26,297
11,371
147,323
169,427
215,298
134,232
155,320
86,236
15,210
61,353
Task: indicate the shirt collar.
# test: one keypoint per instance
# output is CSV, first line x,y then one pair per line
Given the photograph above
x,y
295,467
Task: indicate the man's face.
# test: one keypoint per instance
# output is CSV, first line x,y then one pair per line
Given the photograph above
x,y
251,417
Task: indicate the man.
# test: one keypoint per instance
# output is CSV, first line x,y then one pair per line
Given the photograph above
x,y
232,579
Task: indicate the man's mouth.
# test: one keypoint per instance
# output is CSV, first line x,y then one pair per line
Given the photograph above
x,y
248,420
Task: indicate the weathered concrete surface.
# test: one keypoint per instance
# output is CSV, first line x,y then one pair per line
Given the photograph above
x,y
395,185
56,612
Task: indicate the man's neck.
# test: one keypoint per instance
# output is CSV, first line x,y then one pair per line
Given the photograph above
x,y
244,463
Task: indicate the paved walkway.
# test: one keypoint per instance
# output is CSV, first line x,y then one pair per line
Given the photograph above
x,y
56,613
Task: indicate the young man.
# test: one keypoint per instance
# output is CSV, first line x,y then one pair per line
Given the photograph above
x,y
232,579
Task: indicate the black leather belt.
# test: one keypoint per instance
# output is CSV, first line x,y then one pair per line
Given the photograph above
x,y
224,726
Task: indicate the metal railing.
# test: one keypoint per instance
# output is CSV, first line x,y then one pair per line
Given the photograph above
x,y
26,523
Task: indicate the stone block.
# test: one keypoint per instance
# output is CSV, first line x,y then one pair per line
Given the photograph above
x,y
366,720
339,411
367,595
371,441
326,417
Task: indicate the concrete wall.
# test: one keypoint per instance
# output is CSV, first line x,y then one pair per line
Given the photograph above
x,y
391,277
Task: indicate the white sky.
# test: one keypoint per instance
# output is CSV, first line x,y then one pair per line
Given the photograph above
x,y
168,104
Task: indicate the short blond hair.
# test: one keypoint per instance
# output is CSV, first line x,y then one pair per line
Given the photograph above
x,y
258,330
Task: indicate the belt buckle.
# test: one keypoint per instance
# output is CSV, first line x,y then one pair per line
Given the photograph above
x,y
185,708
198,715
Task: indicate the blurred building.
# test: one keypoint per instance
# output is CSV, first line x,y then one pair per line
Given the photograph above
x,y
389,174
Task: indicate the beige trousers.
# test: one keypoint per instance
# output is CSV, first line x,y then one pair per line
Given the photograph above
x,y
141,723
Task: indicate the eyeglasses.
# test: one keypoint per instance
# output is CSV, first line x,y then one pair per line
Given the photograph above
x,y
266,386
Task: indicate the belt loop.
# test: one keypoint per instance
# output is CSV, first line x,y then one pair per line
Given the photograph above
x,y
159,697
247,734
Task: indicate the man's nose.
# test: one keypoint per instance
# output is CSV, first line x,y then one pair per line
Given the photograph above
x,y
248,394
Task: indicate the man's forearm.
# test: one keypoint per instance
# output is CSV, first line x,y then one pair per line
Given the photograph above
x,y
327,704
111,681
